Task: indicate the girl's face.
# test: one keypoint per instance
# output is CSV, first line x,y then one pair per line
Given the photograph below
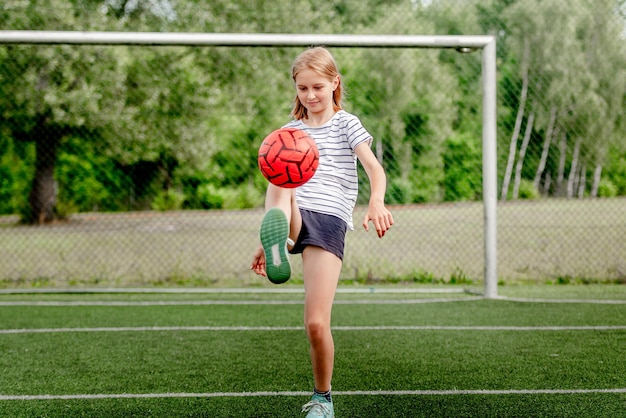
x,y
315,92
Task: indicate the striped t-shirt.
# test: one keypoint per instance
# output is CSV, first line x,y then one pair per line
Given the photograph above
x,y
334,187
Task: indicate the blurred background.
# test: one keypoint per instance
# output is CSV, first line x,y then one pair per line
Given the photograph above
x,y
136,165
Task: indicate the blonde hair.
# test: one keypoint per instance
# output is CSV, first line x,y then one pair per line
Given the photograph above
x,y
320,60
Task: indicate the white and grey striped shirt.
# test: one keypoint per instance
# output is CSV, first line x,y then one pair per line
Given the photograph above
x,y
334,187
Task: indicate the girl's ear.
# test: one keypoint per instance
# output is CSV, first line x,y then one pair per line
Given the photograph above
x,y
336,82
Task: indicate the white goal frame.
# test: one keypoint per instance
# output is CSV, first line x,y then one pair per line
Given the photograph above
x,y
462,43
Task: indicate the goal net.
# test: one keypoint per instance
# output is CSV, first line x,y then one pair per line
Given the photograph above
x,y
159,141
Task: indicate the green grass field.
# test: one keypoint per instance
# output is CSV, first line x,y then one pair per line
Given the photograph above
x,y
541,351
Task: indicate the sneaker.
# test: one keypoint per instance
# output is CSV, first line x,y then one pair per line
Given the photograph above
x,y
319,407
274,237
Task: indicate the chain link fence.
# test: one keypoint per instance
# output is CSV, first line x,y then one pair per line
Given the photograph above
x,y
136,165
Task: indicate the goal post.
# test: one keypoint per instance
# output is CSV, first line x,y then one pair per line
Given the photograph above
x,y
463,43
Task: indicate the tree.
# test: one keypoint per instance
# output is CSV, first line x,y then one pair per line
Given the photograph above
x,y
522,154
110,96
50,97
570,56
548,138
518,121
601,34
51,93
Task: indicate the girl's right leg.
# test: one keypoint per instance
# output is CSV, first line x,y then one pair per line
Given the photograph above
x,y
282,222
285,200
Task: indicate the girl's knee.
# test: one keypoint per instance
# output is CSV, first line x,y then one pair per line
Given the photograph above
x,y
317,330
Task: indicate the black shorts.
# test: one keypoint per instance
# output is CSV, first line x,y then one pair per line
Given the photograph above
x,y
320,230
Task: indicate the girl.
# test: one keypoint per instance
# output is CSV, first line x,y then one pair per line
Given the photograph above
x,y
312,220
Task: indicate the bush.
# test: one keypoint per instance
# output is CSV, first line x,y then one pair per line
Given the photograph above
x,y
168,200
242,197
399,191
16,169
209,197
462,163
615,174
79,188
527,190
606,188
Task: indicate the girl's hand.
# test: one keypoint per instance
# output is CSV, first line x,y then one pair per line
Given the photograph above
x,y
258,261
380,217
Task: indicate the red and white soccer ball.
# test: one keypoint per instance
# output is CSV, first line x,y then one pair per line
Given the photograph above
x,y
288,157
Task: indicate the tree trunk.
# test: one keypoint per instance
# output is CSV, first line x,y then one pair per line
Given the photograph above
x,y
597,176
571,179
42,198
522,154
547,183
562,157
582,181
546,148
518,123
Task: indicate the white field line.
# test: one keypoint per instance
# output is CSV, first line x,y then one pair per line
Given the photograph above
x,y
454,392
244,290
539,300
300,302
233,302
300,328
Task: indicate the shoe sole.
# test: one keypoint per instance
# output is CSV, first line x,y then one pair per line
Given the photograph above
x,y
274,234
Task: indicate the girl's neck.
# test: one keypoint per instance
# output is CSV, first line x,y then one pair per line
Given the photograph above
x,y
316,120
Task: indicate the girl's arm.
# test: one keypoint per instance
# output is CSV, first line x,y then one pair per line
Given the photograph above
x,y
377,213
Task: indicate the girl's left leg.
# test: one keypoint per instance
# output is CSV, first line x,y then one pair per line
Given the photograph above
x,y
321,271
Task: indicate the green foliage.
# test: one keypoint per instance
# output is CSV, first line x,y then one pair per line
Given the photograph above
x,y
133,121
462,164
15,177
607,188
400,191
168,200
209,197
528,191
79,186
87,180
243,197
615,171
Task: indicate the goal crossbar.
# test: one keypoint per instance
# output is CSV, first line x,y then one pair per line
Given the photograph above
x,y
242,39
463,43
